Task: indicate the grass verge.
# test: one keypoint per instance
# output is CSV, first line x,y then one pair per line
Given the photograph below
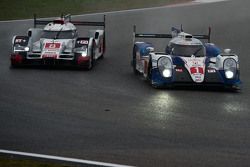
x,y
24,9
8,161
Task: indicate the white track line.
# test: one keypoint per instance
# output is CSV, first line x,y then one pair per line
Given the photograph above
x,y
209,1
195,2
74,160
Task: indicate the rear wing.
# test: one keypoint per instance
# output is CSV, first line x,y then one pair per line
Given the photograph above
x,y
68,19
201,36
175,32
147,35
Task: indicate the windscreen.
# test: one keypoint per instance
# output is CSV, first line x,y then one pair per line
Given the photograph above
x,y
58,34
188,50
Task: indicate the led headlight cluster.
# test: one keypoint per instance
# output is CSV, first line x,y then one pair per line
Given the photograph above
x,y
26,49
84,54
165,67
230,67
21,48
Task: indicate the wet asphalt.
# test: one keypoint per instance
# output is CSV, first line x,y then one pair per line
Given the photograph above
x,y
109,114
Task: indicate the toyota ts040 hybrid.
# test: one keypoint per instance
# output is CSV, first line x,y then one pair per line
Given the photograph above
x,y
186,61
58,43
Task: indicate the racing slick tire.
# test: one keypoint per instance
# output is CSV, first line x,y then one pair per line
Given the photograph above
x,y
149,76
103,48
90,66
92,60
233,88
103,51
15,63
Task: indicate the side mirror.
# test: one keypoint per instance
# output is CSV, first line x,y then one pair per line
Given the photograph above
x,y
150,49
174,33
227,51
172,51
29,33
96,35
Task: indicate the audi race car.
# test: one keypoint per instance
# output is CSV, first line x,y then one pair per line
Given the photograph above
x,y
187,61
58,43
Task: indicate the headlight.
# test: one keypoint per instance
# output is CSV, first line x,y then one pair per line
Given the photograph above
x,y
230,67
84,54
26,49
167,73
20,48
165,67
229,74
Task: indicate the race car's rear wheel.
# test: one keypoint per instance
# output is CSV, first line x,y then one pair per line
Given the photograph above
x,y
90,66
103,49
92,59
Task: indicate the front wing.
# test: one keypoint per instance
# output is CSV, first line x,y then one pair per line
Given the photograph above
x,y
181,77
24,59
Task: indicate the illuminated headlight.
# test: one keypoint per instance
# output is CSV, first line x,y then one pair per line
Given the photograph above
x,y
165,67
84,54
229,74
167,73
26,49
230,67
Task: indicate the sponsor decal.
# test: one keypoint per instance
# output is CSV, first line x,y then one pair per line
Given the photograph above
x,y
52,45
51,50
195,70
50,55
19,40
179,70
195,67
211,71
83,42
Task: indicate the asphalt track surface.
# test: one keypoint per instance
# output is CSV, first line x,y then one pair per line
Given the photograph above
x,y
110,115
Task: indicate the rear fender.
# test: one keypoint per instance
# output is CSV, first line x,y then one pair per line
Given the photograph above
x,y
98,36
212,50
144,48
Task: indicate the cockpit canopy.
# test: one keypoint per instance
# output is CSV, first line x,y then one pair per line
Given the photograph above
x,y
187,50
59,34
185,45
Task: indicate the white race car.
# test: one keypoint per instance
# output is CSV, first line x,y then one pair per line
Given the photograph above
x,y
58,43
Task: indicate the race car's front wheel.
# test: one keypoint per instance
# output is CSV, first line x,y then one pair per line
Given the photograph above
x,y
149,73
149,76
16,60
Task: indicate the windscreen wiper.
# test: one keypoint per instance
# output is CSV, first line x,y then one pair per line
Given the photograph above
x,y
58,33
